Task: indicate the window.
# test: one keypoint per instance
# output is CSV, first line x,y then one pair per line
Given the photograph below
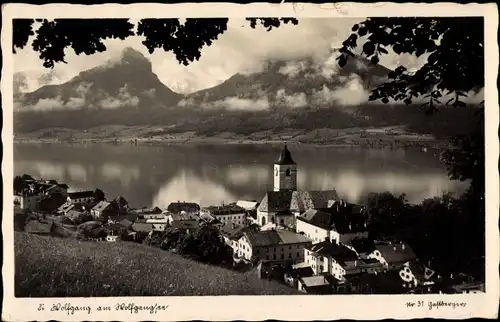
x,y
275,249
282,249
282,221
257,251
274,256
298,254
289,255
290,247
267,257
288,172
282,256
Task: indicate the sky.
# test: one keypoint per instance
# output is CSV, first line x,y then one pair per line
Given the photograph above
x,y
240,49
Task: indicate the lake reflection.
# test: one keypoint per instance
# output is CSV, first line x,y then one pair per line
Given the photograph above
x,y
149,175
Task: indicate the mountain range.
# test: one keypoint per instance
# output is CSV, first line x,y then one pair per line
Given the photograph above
x,y
301,94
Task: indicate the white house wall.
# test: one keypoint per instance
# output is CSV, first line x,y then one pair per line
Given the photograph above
x,y
316,234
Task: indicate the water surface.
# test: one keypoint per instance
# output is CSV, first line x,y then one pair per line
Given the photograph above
x,y
158,175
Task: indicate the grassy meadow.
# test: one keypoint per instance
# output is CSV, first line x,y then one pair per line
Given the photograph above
x,y
63,267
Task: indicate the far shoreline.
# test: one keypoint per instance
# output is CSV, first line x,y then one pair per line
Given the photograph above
x,y
225,142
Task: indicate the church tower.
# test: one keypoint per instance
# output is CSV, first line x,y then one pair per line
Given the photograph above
x,y
285,172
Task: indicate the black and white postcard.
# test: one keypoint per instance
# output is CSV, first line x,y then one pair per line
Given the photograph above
x,y
250,162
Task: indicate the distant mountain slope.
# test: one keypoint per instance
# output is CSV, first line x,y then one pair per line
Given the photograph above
x,y
305,94
124,82
308,80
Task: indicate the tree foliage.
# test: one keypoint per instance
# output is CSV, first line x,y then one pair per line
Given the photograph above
x,y
207,245
18,184
443,231
99,195
185,40
453,45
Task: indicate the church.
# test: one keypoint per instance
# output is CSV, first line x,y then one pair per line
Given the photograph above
x,y
282,205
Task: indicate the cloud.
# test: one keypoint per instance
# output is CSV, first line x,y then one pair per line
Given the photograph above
x,y
230,103
295,100
243,48
350,94
150,93
20,83
242,104
293,68
123,99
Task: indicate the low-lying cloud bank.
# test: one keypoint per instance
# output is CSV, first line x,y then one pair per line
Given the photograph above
x,y
85,98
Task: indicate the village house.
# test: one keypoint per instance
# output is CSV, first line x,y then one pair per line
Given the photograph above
x,y
247,204
316,284
81,197
415,274
297,271
469,288
276,205
120,217
160,222
149,213
339,223
230,213
57,189
278,246
393,255
30,200
231,233
338,260
112,238
187,207
103,210
183,220
272,226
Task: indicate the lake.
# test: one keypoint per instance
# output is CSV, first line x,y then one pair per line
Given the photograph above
x,y
157,175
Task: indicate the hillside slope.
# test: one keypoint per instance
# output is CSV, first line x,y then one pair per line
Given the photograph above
x,y
57,267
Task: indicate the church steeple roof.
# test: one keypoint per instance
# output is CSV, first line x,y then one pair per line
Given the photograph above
x,y
285,157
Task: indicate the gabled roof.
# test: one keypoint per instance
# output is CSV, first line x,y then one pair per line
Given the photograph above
x,y
328,249
183,217
318,218
347,218
248,205
396,252
276,201
274,237
233,231
101,205
81,194
228,209
297,201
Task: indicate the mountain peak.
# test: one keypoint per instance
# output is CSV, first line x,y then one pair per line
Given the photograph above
x,y
132,56
130,52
